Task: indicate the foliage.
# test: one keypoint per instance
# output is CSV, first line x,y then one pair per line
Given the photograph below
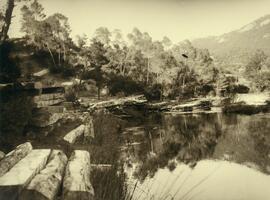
x,y
258,70
9,70
122,84
15,112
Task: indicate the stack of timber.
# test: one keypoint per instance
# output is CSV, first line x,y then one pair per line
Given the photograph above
x,y
45,174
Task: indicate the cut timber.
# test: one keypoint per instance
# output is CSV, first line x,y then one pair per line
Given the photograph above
x,y
12,183
41,73
46,184
14,157
89,129
100,167
48,97
74,134
2,155
77,178
133,100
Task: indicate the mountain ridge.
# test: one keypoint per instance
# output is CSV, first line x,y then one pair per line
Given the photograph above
x,y
240,43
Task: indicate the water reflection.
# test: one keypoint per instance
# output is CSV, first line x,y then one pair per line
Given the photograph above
x,y
209,180
165,142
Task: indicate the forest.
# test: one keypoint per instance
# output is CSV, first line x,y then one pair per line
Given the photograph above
x,y
125,64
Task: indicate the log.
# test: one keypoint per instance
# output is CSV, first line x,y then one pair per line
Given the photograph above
x,y
14,157
89,131
2,155
12,183
46,184
77,177
74,134
133,100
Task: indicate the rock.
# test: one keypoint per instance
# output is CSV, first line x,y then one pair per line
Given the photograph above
x,y
43,119
74,134
14,157
77,177
2,155
12,183
46,184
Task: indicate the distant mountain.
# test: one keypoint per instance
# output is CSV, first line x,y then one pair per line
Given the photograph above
x,y
237,45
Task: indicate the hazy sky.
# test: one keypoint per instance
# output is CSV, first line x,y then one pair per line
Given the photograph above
x,y
177,19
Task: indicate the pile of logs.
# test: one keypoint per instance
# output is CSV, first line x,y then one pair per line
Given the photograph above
x,y
132,100
40,173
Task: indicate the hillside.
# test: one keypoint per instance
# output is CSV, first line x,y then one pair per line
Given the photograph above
x,y
238,44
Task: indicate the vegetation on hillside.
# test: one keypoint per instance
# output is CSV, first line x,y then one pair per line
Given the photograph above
x,y
137,61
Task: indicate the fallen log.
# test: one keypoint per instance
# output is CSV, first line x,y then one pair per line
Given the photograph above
x,y
14,157
74,134
46,184
2,155
133,100
12,183
77,177
89,131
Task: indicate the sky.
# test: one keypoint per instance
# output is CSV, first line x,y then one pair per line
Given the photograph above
x,y
176,19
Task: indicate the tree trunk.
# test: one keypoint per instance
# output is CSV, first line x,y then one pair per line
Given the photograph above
x,y
59,56
147,77
51,54
98,92
64,55
7,21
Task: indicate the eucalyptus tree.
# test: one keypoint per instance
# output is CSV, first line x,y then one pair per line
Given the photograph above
x,y
51,34
98,59
6,17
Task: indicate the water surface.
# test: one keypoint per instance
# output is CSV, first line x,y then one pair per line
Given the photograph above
x,y
202,156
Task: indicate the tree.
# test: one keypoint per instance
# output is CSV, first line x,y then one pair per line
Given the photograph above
x,y
103,35
51,34
6,17
143,42
258,70
97,52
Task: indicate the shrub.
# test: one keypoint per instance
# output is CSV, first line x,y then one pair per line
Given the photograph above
x,y
9,71
120,84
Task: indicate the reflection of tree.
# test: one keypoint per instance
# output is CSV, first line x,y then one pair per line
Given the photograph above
x,y
245,140
187,138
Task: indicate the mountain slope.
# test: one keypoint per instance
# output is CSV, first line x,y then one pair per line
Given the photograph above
x,y
238,44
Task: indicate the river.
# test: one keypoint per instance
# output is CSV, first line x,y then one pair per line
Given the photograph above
x,y
202,156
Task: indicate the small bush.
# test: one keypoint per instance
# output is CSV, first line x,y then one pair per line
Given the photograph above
x,y
71,95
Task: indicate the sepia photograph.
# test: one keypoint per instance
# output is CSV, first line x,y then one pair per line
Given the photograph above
x,y
134,99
